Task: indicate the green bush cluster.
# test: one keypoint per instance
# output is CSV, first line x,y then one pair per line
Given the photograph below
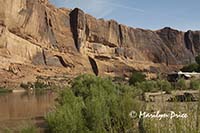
x,y
191,68
136,77
195,84
93,104
181,84
154,86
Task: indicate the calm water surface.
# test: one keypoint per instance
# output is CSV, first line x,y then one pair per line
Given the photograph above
x,y
21,107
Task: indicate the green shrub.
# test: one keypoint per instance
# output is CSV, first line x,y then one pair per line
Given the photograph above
x,y
93,104
181,84
164,86
136,77
153,86
148,86
68,115
195,84
191,68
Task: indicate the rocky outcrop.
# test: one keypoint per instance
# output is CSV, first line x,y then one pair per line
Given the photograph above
x,y
108,38
192,41
16,49
35,32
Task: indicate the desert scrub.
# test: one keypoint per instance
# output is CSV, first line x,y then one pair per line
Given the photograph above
x,y
191,68
136,77
181,84
148,86
164,85
94,104
5,90
175,125
195,84
154,86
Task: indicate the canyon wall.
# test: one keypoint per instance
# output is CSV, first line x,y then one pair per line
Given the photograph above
x,y
34,32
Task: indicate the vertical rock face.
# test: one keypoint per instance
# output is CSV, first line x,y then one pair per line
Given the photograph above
x,y
192,40
36,32
108,38
38,21
175,42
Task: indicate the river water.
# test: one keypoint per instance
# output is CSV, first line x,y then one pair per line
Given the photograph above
x,y
19,108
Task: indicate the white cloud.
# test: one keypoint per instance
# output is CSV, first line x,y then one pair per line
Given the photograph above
x,y
98,8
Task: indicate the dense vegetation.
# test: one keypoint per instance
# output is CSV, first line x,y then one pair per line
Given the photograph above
x,y
94,104
97,105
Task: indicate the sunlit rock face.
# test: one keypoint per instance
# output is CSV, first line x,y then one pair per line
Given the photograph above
x,y
35,32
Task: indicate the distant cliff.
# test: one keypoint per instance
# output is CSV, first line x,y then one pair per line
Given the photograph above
x,y
35,33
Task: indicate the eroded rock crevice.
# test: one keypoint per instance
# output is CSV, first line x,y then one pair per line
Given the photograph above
x,y
74,27
94,65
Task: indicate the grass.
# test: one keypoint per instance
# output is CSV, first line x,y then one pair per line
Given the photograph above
x,y
28,127
173,125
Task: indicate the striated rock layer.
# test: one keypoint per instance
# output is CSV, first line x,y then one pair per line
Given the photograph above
x,y
37,34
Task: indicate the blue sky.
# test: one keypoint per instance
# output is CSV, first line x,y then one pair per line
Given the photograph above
x,y
147,14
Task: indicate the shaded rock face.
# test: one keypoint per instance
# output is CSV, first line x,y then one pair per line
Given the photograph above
x,y
108,38
192,40
37,33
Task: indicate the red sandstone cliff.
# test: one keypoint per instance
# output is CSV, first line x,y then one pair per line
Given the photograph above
x,y
35,34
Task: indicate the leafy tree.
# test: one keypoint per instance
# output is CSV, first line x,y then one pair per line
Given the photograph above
x,y
136,77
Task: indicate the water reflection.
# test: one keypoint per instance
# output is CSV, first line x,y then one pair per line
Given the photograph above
x,y
18,106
